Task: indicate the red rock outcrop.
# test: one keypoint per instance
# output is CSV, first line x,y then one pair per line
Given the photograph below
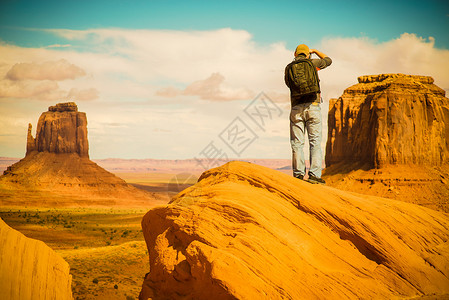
x,y
29,269
57,171
249,232
388,136
62,129
389,119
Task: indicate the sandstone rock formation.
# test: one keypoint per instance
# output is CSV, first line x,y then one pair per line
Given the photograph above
x,y
57,163
29,269
389,119
62,129
249,232
388,136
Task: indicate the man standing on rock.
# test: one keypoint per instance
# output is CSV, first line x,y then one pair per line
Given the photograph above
x,y
301,77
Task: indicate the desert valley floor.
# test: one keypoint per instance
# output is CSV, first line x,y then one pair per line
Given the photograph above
x,y
104,247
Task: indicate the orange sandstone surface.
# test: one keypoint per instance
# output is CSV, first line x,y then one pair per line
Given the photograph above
x,y
249,232
388,136
29,269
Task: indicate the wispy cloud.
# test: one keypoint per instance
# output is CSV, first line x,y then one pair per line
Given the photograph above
x,y
151,79
48,70
181,57
408,54
59,46
212,88
29,89
41,81
83,95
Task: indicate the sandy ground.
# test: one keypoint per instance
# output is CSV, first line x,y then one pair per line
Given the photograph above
x,y
104,246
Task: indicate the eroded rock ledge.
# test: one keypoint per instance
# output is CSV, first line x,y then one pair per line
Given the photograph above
x,y
249,232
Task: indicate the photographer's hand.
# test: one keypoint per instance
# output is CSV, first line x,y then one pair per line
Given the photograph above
x,y
319,53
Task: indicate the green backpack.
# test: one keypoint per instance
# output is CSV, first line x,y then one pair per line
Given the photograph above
x,y
302,77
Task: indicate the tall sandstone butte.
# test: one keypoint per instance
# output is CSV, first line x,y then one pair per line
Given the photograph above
x,y
62,129
389,119
57,171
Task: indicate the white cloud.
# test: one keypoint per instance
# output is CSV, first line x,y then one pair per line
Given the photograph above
x,y
48,70
41,81
151,79
169,92
83,95
212,88
43,90
181,57
26,89
408,54
59,46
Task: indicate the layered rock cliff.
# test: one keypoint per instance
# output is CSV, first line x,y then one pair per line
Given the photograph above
x,y
249,232
389,119
388,136
29,269
62,129
57,163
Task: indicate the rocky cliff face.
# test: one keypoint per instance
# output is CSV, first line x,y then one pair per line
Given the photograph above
x,y
29,269
389,119
389,136
249,232
62,129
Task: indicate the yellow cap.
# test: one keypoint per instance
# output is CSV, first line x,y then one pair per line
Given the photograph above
x,y
302,49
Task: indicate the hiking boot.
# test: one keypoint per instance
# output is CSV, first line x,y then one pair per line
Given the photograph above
x,y
299,177
315,180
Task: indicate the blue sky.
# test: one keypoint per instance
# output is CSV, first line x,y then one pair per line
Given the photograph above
x,y
268,21
162,79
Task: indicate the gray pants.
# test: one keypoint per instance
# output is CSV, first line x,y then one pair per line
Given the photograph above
x,y
306,116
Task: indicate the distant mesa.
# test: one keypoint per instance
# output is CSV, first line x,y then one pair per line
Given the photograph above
x,y
57,164
249,232
398,125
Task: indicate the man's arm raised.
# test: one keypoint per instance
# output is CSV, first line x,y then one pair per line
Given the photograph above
x,y
324,60
319,53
